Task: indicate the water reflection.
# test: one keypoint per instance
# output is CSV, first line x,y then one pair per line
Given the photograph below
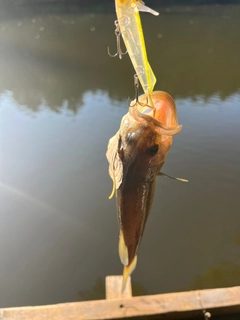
x,y
61,99
237,239
225,275
59,159
56,58
97,291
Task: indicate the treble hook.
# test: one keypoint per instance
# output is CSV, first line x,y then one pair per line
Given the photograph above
x,y
119,52
151,105
136,85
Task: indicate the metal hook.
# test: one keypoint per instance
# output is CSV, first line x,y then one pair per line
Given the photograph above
x,y
136,85
119,52
148,97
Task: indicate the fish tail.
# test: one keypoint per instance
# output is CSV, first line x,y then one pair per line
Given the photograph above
x,y
127,270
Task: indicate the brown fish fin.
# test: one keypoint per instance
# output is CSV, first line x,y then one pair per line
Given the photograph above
x,y
166,175
122,250
127,270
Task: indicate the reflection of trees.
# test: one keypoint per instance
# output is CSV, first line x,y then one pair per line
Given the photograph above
x,y
80,6
226,275
97,292
138,289
237,239
56,58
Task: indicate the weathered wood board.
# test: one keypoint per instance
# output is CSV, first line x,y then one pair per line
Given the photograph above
x,y
114,288
181,305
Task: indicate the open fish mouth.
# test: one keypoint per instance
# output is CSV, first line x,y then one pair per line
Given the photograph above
x,y
147,119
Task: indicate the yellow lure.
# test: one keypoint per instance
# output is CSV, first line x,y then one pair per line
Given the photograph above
x,y
131,29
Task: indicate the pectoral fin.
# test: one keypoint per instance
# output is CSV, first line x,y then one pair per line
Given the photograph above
x,y
166,175
141,7
115,163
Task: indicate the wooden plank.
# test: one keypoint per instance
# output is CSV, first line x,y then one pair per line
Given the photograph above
x,y
182,305
113,286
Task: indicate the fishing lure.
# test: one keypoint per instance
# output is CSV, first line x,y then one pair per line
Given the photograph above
x,y
130,27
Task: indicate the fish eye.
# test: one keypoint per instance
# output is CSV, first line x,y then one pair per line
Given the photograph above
x,y
153,150
130,137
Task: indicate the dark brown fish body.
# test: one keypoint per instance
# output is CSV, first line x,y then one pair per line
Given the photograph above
x,y
135,200
136,154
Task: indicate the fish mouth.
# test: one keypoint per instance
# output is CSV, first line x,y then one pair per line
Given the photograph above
x,y
147,120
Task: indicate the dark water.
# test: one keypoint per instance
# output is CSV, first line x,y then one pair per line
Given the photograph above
x,y
61,99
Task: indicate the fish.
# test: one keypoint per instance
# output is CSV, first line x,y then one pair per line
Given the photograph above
x,y
132,33
136,154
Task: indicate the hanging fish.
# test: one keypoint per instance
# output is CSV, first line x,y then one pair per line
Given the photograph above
x,y
129,26
136,154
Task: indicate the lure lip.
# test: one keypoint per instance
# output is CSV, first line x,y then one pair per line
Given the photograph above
x,y
142,7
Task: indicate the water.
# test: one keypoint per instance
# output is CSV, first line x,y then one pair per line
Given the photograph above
x,y
61,99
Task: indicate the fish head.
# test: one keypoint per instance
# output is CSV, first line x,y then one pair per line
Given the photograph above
x,y
139,148
145,140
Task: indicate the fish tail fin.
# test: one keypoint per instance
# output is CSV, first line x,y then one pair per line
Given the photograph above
x,y
127,270
123,253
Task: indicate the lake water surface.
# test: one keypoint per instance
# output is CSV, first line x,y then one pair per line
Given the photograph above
x,y
61,99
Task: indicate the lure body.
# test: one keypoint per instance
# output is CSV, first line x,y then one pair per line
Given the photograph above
x,y
135,155
132,33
